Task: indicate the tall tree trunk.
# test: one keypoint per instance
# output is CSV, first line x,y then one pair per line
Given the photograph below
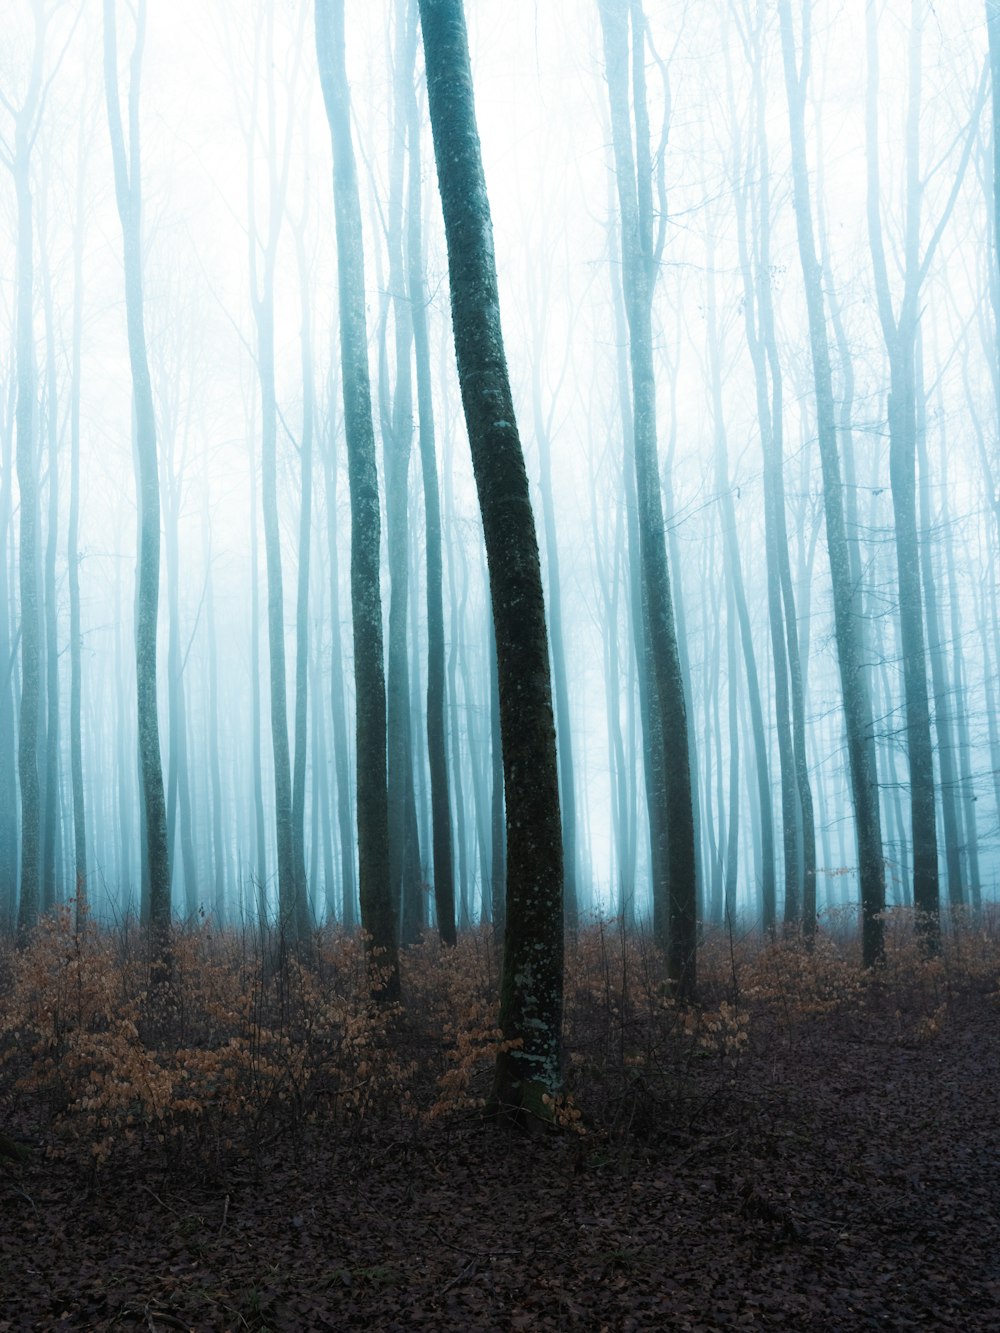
x,y
531,991
73,560
444,879
8,656
258,868
734,577
179,816
640,259
396,415
654,773
498,822
900,332
25,126
798,819
129,195
51,890
564,731
338,705
220,849
303,914
947,699
379,914
846,595
262,279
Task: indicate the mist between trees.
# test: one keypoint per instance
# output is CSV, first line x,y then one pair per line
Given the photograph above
x,y
677,602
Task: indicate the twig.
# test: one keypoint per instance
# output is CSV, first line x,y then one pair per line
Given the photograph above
x,y
225,1214
469,1268
25,1195
160,1201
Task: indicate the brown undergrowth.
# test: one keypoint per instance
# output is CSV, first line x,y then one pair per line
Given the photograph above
x,y
251,1042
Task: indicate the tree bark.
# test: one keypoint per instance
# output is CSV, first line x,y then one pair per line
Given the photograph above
x,y
25,125
379,911
129,197
531,992
444,876
846,596
640,258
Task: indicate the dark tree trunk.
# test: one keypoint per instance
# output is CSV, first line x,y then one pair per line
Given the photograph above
x,y
564,731
396,417
846,595
379,914
444,876
947,696
639,265
654,775
338,706
498,824
532,980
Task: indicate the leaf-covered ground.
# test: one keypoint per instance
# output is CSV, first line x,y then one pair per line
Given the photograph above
x,y
839,1172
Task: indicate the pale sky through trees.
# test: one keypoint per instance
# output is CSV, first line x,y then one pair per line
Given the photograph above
x,y
541,97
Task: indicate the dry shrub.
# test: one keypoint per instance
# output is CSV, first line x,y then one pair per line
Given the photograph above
x,y
451,993
249,1040
800,981
246,1040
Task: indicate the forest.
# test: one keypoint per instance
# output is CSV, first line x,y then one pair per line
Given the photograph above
x,y
499,640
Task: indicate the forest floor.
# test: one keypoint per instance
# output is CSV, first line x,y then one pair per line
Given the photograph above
x,y
829,1163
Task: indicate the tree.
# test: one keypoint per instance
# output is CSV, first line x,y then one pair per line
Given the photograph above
x,y
396,421
900,324
262,256
799,833
128,192
846,593
26,119
303,915
73,556
641,251
531,988
437,753
379,913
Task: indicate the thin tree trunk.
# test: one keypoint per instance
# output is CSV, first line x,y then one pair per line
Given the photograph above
x,y
846,596
946,697
258,871
220,849
73,562
128,194
8,665
640,255
303,914
262,301
27,482
560,685
51,891
444,884
338,703
396,415
734,576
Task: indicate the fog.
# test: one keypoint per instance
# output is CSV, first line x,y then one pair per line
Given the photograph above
x,y
229,136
